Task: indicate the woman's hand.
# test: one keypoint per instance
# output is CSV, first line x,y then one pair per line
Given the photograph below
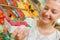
x,y
20,34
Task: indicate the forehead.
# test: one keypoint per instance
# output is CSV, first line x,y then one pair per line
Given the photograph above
x,y
53,5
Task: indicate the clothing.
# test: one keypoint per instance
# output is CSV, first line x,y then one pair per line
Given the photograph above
x,y
36,35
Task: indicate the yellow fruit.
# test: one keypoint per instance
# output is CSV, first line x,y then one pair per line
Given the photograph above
x,y
31,14
20,5
35,13
12,17
26,13
26,7
32,7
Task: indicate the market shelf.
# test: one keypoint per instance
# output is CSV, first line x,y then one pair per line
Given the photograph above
x,y
10,6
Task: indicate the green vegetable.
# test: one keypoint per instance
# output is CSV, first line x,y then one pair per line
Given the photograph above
x,y
1,28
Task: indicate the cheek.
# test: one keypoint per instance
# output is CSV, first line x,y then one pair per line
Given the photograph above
x,y
54,17
43,12
41,15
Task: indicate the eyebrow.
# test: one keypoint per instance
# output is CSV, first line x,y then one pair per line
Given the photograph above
x,y
46,6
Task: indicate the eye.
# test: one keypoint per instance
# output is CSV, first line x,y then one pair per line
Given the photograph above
x,y
54,11
46,8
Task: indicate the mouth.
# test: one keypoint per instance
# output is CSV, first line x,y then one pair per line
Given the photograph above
x,y
46,19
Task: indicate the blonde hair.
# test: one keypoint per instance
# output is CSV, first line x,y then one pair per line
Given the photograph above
x,y
54,0
39,18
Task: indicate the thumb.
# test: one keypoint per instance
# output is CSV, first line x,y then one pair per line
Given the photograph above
x,y
5,29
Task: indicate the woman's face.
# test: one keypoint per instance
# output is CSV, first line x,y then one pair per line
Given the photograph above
x,y
51,12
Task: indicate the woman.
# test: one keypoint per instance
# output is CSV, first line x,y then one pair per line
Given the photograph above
x,y
42,29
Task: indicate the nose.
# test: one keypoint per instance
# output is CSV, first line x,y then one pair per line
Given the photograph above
x,y
47,13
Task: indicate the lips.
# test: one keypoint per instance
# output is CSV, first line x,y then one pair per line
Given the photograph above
x,y
46,19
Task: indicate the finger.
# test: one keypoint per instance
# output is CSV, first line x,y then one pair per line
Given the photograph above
x,y
23,34
19,36
26,29
14,33
5,30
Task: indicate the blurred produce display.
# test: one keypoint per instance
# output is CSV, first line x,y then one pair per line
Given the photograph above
x,y
16,13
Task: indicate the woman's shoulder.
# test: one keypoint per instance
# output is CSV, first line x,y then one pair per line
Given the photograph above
x,y
58,31
58,34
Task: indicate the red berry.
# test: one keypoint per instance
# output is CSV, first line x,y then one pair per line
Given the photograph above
x,y
1,12
1,17
18,23
8,19
2,21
